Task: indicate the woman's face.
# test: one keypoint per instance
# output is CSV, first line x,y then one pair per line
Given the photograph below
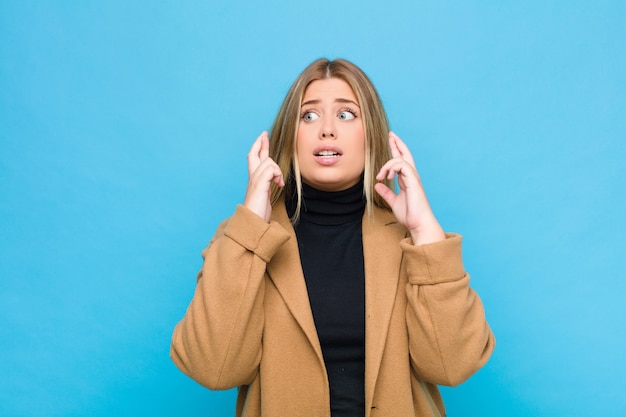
x,y
330,146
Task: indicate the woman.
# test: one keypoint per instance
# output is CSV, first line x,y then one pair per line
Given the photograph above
x,y
326,293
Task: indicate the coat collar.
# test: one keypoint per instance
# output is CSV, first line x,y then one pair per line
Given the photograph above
x,y
381,251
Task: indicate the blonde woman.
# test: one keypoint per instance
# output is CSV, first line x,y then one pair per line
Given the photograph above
x,y
328,293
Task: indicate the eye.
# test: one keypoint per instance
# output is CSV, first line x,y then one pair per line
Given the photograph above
x,y
309,116
346,115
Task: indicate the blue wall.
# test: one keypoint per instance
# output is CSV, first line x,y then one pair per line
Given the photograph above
x,y
123,133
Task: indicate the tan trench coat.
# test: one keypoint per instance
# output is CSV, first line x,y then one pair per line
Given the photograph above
x,y
249,324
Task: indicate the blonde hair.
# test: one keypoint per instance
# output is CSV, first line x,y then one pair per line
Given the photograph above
x,y
284,131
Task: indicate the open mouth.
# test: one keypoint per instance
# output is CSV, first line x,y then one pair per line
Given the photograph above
x,y
327,154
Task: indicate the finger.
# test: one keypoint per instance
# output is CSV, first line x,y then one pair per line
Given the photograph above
x,y
384,172
278,177
264,153
256,151
268,171
253,154
390,168
396,168
401,148
404,171
385,168
393,146
386,193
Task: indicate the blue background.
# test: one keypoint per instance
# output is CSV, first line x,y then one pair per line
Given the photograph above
x,y
124,128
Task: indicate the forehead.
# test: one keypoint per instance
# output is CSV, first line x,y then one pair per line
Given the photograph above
x,y
328,89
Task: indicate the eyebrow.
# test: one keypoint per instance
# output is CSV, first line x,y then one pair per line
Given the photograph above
x,y
338,100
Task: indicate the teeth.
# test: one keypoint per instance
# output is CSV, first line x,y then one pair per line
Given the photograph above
x,y
328,153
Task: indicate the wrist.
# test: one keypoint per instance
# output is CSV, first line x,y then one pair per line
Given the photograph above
x,y
430,232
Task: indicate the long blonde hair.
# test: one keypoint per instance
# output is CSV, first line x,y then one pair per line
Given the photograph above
x,y
284,131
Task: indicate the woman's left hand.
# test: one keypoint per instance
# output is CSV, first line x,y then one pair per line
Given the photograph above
x,y
410,205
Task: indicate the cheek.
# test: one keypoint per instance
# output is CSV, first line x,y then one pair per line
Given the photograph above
x,y
363,152
303,136
301,149
299,140
360,139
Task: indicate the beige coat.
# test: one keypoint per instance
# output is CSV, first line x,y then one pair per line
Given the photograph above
x,y
249,324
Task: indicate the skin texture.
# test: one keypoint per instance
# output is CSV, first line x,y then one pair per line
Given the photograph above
x,y
330,121
330,118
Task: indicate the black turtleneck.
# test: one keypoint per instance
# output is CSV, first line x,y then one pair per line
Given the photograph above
x,y
331,252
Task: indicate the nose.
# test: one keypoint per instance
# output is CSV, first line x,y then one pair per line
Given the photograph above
x,y
328,131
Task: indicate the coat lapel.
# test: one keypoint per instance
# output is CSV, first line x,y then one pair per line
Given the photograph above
x,y
285,271
381,250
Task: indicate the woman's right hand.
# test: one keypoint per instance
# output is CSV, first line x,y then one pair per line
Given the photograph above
x,y
262,171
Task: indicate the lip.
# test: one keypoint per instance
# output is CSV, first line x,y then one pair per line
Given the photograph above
x,y
327,160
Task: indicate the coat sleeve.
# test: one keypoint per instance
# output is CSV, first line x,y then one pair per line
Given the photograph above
x,y
449,338
218,341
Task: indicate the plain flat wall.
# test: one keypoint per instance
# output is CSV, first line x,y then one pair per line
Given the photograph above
x,y
124,128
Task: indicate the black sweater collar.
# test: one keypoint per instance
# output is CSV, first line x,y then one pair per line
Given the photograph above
x,y
329,207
